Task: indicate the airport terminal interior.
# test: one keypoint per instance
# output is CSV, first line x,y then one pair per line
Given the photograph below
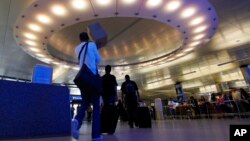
x,y
189,59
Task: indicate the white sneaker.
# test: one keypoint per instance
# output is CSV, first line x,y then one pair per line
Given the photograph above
x,y
98,139
74,130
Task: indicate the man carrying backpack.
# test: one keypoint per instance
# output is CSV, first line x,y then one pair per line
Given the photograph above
x,y
131,97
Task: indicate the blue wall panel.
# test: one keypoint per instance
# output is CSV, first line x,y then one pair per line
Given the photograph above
x,y
33,110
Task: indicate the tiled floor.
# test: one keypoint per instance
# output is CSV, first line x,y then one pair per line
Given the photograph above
x,y
170,130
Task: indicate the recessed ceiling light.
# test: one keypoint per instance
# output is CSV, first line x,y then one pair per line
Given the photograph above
x,y
188,12
34,49
34,27
47,59
104,2
200,29
76,68
128,1
79,4
195,43
31,43
40,55
180,54
172,6
43,19
170,59
198,37
56,63
58,10
66,66
30,36
188,49
153,3
197,21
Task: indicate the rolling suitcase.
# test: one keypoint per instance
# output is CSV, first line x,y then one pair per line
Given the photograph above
x,y
143,117
109,118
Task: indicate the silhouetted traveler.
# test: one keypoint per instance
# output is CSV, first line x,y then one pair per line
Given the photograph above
x,y
195,106
109,87
131,97
91,58
237,98
204,105
172,107
245,99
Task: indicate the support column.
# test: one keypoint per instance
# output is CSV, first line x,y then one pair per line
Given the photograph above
x,y
158,109
245,70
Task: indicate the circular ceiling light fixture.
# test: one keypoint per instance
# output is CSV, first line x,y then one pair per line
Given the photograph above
x,y
128,2
58,10
188,12
31,43
182,12
153,3
79,4
30,36
172,5
43,19
104,2
197,21
198,37
34,27
34,49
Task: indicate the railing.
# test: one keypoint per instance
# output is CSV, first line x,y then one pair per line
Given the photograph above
x,y
229,109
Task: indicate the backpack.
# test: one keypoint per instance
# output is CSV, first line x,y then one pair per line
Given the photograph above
x,y
130,88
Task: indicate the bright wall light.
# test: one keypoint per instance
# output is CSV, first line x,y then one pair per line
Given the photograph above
x,y
43,19
34,27
104,2
200,29
172,6
79,4
31,43
30,36
58,10
197,21
188,12
153,3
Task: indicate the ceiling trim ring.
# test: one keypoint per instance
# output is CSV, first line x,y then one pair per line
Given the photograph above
x,y
197,21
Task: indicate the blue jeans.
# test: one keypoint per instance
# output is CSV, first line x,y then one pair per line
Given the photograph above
x,y
86,100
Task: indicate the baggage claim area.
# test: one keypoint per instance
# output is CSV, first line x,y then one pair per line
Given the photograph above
x,y
170,70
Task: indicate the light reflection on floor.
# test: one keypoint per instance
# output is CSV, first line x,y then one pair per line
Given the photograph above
x,y
170,130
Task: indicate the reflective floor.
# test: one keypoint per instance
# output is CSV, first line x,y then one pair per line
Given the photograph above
x,y
170,130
